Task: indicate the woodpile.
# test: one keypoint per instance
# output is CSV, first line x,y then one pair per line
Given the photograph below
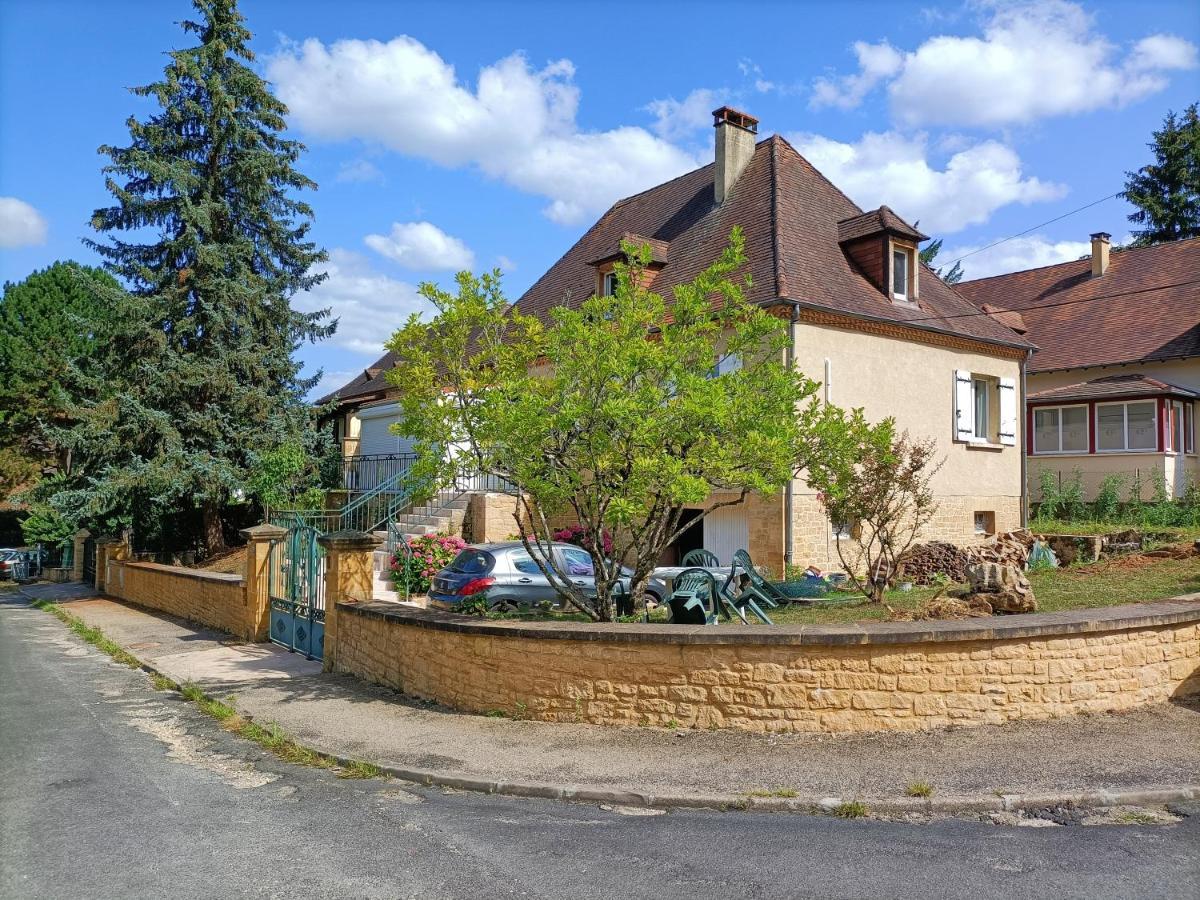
x,y
924,561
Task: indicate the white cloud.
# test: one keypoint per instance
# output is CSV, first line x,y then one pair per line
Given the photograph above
x,y
369,306
506,265
331,381
679,119
422,246
518,124
894,168
875,63
1033,60
20,224
359,170
1029,252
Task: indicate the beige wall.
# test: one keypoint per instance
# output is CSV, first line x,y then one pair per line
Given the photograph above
x,y
784,685
208,598
914,383
1177,469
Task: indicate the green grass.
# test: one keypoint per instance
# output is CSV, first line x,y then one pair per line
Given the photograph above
x,y
1062,526
782,793
93,636
918,789
851,809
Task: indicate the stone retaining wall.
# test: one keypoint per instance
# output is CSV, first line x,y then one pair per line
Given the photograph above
x,y
884,677
208,598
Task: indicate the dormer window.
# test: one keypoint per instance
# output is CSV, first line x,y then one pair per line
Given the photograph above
x,y
608,284
904,273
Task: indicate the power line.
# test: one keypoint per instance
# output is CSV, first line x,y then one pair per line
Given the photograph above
x,y
1034,228
1161,287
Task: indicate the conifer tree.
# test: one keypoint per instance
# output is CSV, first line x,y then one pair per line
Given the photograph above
x,y
1167,191
217,244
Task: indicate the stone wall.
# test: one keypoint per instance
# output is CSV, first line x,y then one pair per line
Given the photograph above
x,y
214,599
882,677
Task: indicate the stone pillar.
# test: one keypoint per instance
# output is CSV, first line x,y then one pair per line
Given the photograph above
x,y
81,537
348,578
259,539
106,549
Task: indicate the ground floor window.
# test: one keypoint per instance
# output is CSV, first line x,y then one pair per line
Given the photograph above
x,y
1127,426
1060,429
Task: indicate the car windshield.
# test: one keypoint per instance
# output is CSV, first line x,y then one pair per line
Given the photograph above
x,y
472,561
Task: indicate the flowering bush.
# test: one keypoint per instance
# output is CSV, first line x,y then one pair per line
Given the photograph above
x,y
427,555
575,534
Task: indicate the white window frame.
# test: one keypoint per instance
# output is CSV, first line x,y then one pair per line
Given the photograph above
x,y
1189,427
902,252
1124,404
1176,437
1060,451
604,283
982,386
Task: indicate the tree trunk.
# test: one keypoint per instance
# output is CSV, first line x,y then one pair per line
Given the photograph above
x,y
214,531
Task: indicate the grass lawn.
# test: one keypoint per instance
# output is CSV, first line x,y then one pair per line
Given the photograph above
x,y
1130,579
1059,526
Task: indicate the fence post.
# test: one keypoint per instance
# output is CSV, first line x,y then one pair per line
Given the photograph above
x,y
348,577
259,539
106,549
81,537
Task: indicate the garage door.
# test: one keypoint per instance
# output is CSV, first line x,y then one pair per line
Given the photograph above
x,y
374,436
726,530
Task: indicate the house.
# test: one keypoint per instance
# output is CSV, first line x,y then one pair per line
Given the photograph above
x,y
1113,385
871,323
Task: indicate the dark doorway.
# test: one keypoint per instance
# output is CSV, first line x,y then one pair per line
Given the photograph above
x,y
691,539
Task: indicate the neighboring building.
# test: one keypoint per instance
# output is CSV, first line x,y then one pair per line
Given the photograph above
x,y
877,328
1112,388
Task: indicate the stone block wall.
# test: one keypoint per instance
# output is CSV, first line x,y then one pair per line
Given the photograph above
x,y
208,598
886,677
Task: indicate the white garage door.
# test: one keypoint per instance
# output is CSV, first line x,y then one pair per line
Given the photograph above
x,y
374,436
725,531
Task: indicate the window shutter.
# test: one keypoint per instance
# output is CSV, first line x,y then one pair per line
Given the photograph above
x,y
964,407
1008,411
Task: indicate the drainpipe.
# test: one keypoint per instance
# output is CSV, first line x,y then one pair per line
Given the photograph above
x,y
1024,419
789,549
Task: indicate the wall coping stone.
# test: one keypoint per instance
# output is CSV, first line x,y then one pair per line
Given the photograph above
x,y
181,571
348,539
1056,624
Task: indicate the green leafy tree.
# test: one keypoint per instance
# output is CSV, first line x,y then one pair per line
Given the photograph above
x,y
47,324
620,413
218,244
1167,191
929,254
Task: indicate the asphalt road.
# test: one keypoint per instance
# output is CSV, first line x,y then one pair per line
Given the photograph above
x,y
111,789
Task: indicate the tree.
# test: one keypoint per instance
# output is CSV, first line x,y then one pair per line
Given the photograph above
x,y
883,499
218,246
929,254
1167,191
47,323
620,412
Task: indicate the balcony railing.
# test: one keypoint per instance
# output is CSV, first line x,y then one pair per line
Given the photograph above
x,y
368,471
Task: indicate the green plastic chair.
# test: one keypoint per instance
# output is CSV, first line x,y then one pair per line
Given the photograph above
x,y
695,599
704,558
759,588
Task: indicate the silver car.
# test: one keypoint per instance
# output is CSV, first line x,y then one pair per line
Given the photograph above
x,y
513,579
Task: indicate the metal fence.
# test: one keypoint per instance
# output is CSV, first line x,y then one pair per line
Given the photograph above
x,y
369,470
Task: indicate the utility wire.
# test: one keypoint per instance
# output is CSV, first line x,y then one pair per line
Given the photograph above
x,y
953,262
1161,287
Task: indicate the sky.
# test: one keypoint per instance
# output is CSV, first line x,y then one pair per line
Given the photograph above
x,y
451,135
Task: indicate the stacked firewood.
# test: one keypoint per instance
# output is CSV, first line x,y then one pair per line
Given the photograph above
x,y
924,561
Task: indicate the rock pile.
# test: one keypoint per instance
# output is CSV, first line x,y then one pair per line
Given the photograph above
x,y
924,561
1004,588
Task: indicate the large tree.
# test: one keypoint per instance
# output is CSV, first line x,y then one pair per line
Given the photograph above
x,y
1167,191
620,412
47,324
929,254
217,244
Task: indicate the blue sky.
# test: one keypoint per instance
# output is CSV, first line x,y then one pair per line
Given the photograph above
x,y
445,135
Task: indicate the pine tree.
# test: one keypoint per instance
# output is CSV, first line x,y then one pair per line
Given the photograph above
x,y
1167,192
206,335
929,254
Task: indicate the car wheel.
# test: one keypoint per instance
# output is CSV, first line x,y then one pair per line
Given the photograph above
x,y
504,606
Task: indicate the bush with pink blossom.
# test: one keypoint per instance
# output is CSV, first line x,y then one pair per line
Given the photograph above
x,y
575,534
427,555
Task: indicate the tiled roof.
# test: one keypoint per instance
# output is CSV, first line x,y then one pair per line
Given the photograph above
x,y
790,214
1132,385
876,221
371,381
1146,307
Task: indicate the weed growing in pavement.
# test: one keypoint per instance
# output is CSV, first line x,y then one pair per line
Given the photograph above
x,y
673,723
162,683
360,769
851,809
496,714
918,789
782,793
93,636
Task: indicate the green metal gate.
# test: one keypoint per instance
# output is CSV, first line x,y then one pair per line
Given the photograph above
x,y
89,561
296,587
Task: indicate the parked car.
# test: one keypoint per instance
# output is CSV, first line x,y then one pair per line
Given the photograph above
x,y
11,564
513,580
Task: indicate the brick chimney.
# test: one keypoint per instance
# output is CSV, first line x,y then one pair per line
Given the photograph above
x,y
1100,245
736,132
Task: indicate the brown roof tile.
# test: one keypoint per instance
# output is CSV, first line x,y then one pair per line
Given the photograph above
x,y
369,382
1146,307
876,221
1132,385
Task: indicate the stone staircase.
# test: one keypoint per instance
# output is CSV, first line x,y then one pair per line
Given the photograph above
x,y
441,514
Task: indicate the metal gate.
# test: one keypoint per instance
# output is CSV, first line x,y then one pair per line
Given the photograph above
x,y
296,587
89,561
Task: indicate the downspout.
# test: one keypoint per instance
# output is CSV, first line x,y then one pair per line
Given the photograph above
x,y
1023,417
789,548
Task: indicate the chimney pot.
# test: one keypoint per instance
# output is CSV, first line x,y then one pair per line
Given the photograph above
x,y
736,131
1100,247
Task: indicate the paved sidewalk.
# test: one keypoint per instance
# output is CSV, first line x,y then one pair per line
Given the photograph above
x,y
1154,748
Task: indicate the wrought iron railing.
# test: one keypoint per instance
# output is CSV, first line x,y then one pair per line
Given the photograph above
x,y
367,471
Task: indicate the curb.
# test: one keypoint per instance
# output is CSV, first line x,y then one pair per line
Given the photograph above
x,y
741,802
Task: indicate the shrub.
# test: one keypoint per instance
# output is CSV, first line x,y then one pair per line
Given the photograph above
x,y
1107,504
427,555
576,533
